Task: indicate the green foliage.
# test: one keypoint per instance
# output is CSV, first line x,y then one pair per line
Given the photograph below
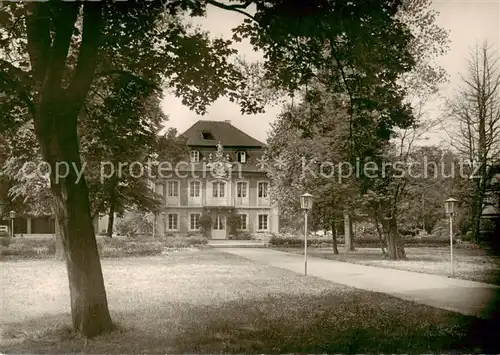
x,y
205,220
442,229
43,248
4,240
134,226
297,242
244,236
233,222
30,248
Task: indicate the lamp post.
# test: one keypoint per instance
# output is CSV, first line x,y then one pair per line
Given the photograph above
x,y
12,215
450,207
306,204
164,215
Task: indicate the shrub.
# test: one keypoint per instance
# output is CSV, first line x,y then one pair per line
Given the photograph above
x,y
244,236
42,248
134,226
121,247
441,229
30,248
296,242
183,242
4,240
233,222
205,222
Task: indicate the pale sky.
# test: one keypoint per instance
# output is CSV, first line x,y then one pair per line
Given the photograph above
x,y
469,22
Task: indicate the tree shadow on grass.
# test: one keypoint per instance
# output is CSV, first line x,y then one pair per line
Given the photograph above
x,y
351,322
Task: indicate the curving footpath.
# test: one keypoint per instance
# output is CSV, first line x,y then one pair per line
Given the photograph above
x,y
462,296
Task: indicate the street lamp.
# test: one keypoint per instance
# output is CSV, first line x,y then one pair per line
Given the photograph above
x,y
12,215
450,206
164,215
306,201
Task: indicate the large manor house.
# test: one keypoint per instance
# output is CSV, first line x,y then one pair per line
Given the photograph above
x,y
222,175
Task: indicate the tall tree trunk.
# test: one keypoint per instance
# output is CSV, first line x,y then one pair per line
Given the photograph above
x,y
348,233
59,255
112,206
55,114
380,235
334,237
111,221
394,243
89,306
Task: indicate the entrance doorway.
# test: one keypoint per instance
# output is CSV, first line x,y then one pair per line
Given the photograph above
x,y
219,227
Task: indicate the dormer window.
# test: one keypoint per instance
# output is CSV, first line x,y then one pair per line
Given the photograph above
x,y
207,135
242,157
194,156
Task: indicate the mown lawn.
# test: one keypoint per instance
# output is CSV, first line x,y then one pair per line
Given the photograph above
x,y
212,302
476,265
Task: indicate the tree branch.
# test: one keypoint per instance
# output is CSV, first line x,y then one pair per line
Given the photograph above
x,y
235,7
87,56
21,91
38,34
16,72
131,76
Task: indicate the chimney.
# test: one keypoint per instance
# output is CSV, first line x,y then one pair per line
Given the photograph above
x,y
227,121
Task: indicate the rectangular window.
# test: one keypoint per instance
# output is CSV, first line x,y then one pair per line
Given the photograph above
x,y
263,189
243,222
172,221
194,189
173,188
242,157
194,221
241,189
263,222
218,189
194,156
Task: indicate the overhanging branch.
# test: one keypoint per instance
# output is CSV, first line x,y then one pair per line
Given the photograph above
x,y
130,76
235,7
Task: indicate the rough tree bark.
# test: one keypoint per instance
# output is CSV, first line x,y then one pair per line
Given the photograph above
x,y
55,113
348,234
395,245
59,255
380,234
334,237
112,207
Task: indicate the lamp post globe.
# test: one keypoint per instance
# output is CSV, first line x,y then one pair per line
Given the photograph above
x,y
306,201
450,206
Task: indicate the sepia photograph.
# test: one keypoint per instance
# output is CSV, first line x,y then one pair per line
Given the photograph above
x,y
249,176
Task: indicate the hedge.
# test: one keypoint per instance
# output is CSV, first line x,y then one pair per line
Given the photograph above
x,y
42,248
295,242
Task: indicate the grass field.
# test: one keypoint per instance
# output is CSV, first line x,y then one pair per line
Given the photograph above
x,y
469,264
211,302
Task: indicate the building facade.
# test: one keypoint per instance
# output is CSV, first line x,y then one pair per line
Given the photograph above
x,y
223,175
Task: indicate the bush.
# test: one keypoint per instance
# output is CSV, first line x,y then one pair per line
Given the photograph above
x,y
183,242
4,240
43,248
441,229
205,222
133,227
30,248
296,242
244,236
123,247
